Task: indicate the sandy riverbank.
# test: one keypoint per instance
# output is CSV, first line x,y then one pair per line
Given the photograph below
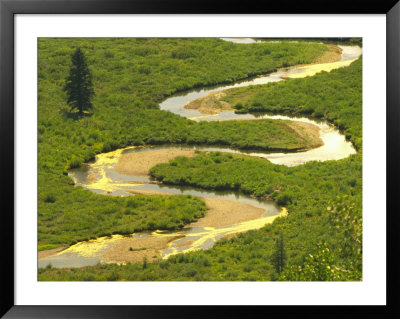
x,y
135,250
220,212
307,132
123,249
50,252
140,163
212,103
333,54
225,212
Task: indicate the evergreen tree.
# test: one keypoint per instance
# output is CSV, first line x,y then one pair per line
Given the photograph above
x,y
279,255
78,84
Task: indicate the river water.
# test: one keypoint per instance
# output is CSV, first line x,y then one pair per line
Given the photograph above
x,y
108,181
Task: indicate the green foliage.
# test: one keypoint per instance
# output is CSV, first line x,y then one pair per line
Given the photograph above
x,y
75,162
90,216
264,135
335,96
283,199
345,217
46,247
50,198
344,41
278,258
318,267
131,76
78,84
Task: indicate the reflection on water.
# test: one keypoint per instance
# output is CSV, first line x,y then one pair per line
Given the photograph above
x,y
244,40
91,252
205,237
101,177
176,104
107,180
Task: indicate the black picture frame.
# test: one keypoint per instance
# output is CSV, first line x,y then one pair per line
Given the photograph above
x,y
8,8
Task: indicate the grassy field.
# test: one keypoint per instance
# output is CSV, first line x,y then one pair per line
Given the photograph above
x,y
265,135
130,78
315,97
319,196
333,96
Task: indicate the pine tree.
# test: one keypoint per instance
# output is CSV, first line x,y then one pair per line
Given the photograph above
x,y
78,84
279,254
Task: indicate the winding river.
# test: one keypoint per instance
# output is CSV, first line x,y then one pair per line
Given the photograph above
x,y
102,177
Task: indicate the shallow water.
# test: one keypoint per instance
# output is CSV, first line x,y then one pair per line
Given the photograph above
x,y
176,104
109,181
101,177
92,252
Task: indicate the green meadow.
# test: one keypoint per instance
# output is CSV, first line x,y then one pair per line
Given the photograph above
x,y
131,77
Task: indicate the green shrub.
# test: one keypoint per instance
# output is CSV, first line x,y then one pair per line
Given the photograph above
x,y
50,198
284,199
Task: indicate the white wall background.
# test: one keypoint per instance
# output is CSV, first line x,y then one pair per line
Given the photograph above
x,y
372,290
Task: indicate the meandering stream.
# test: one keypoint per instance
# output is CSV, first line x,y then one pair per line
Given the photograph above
x,y
101,176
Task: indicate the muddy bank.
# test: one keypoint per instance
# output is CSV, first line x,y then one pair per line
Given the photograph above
x,y
310,70
333,54
225,212
140,163
135,250
307,132
201,235
50,252
150,245
220,212
212,103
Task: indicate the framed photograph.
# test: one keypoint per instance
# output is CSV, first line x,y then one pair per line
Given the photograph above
x,y
157,154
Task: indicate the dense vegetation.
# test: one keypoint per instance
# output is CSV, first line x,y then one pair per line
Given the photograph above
x,y
322,233
113,215
333,96
130,77
60,224
78,86
249,256
344,41
264,135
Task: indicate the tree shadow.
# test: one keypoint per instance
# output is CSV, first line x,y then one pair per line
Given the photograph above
x,y
74,115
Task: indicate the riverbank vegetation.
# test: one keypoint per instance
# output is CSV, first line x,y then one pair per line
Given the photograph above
x,y
250,256
264,135
113,215
333,96
343,41
319,195
130,77
316,97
